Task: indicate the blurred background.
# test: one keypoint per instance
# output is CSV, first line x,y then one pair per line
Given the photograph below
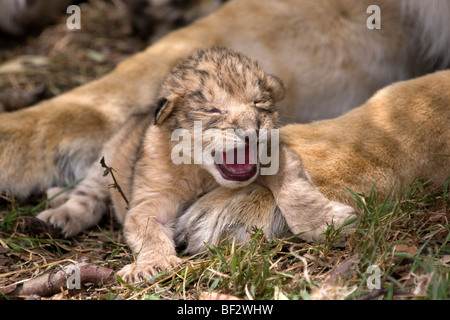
x,y
41,58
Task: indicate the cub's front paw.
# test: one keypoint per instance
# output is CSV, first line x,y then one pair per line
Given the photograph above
x,y
144,270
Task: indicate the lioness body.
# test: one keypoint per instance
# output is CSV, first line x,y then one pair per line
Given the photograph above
x,y
401,133
328,59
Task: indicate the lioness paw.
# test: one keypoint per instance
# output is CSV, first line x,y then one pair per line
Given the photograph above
x,y
141,271
341,213
337,216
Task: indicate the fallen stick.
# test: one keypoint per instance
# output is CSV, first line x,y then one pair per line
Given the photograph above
x,y
68,277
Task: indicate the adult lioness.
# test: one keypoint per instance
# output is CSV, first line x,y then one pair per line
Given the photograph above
x,y
401,133
328,58
229,97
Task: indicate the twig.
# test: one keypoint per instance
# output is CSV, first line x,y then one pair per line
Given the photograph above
x,y
51,282
379,292
115,185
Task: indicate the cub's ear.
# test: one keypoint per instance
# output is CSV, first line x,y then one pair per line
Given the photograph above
x,y
275,86
163,108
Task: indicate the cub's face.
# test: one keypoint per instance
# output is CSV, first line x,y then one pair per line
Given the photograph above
x,y
214,106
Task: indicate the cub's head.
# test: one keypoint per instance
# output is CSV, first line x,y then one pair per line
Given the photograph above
x,y
213,107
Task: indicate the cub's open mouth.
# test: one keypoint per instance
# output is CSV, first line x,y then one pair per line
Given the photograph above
x,y
235,171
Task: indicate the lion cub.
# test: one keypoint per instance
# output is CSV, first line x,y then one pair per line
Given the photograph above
x,y
209,128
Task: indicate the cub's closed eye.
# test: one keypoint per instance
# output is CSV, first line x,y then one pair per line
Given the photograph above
x,y
259,105
214,110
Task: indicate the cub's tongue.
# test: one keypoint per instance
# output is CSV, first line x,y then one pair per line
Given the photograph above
x,y
230,169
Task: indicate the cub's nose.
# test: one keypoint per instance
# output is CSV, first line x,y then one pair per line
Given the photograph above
x,y
244,118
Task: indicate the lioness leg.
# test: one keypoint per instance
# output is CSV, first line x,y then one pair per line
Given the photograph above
x,y
84,206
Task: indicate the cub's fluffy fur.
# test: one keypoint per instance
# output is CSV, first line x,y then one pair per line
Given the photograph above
x,y
224,90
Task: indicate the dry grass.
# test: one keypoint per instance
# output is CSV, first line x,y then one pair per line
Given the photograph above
x,y
407,239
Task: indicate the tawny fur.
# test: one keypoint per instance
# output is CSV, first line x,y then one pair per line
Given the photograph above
x,y
322,50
